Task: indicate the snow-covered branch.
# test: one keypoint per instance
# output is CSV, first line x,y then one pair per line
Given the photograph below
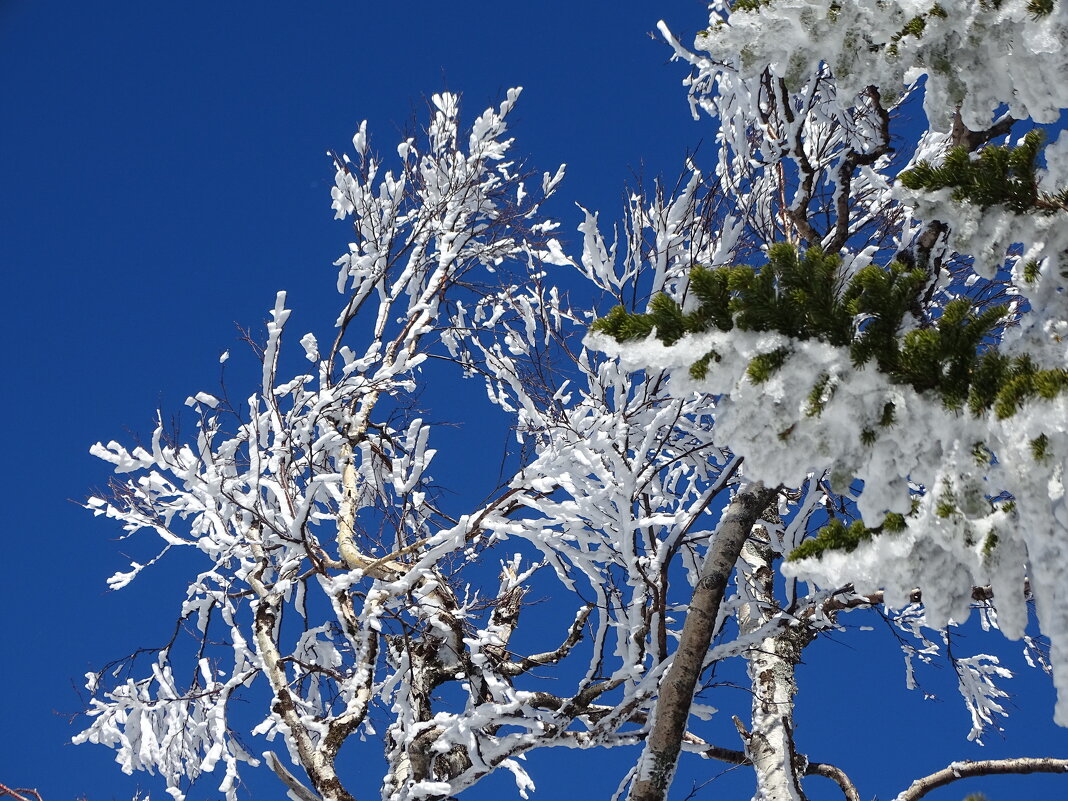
x,y
986,767
799,317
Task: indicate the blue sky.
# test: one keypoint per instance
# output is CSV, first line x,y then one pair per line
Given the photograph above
x,y
163,175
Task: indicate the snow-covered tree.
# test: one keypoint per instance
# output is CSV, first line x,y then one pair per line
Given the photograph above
x,y
849,370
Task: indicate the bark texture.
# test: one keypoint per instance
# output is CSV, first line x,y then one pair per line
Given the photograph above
x,y
656,767
318,762
771,665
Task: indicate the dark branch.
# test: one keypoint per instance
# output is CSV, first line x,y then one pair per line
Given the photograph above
x,y
658,760
836,775
574,634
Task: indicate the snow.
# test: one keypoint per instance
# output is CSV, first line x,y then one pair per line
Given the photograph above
x,y
1003,57
320,496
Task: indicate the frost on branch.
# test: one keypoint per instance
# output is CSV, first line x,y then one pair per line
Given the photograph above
x,y
956,425
314,494
357,598
974,55
347,587
155,726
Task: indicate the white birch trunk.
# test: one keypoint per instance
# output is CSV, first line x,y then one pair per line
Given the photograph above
x,y
771,665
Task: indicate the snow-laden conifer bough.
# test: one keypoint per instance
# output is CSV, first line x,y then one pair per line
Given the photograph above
x,y
844,389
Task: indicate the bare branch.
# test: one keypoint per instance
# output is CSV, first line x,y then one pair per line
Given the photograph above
x,y
987,767
17,793
288,779
836,775
574,634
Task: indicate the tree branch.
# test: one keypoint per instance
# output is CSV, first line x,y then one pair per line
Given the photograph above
x,y
836,775
735,757
918,253
987,767
318,764
574,634
17,792
288,779
849,164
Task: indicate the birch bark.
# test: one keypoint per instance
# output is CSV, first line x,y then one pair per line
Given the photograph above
x,y
771,665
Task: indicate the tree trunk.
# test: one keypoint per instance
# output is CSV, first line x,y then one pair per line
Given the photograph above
x,y
770,743
656,767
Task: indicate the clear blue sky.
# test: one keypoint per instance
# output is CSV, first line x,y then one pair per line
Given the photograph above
x,y
163,175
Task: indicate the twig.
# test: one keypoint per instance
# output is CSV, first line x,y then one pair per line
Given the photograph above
x,y
16,793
